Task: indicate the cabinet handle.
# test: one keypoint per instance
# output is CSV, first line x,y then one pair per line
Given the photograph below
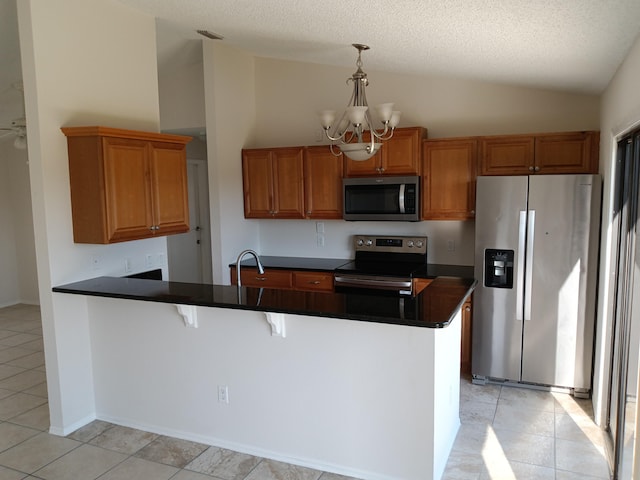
x,y
468,309
154,227
537,169
261,279
314,282
531,169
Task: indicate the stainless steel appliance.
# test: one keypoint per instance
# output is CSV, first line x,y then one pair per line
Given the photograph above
x,y
383,264
382,198
536,260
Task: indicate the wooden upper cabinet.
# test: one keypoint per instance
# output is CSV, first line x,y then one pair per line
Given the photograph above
x,y
272,182
449,179
400,155
126,185
572,152
506,155
567,153
322,183
170,195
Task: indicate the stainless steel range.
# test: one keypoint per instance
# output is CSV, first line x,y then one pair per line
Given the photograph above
x,y
382,264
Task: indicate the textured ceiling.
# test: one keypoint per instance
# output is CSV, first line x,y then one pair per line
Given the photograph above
x,y
572,45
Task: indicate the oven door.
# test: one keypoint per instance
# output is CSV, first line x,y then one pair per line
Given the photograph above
x,y
346,282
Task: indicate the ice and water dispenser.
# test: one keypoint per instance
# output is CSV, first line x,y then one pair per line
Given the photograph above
x,y
498,268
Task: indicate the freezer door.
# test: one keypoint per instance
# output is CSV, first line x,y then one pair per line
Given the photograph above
x,y
501,205
558,337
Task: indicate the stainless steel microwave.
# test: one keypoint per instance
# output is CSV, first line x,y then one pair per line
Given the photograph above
x,y
382,198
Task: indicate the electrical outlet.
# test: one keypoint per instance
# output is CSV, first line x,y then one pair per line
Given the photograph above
x,y
451,246
95,262
127,265
148,261
320,227
223,394
320,239
161,259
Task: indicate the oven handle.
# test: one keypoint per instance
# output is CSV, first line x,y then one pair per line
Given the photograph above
x,y
370,281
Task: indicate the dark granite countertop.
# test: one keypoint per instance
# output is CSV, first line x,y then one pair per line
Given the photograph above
x,y
430,270
434,307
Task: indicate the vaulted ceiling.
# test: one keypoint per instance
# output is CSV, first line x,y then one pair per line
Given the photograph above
x,y
570,45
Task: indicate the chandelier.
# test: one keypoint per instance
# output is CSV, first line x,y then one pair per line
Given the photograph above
x,y
350,129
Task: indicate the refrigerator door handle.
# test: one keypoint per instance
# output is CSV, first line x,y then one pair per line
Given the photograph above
x,y
529,264
522,232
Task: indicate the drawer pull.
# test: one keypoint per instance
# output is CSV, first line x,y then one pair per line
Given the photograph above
x,y
261,279
314,282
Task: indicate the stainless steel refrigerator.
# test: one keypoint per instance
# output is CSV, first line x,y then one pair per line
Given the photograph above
x,y
536,265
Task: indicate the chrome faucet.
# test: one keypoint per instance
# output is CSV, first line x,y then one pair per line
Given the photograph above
x,y
240,257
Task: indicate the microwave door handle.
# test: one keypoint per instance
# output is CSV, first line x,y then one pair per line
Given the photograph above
x,y
401,198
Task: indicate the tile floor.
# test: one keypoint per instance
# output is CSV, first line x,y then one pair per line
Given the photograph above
x,y
506,433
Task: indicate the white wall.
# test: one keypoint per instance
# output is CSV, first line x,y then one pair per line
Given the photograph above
x,y
620,114
289,94
79,70
287,97
380,403
18,274
9,285
182,98
231,111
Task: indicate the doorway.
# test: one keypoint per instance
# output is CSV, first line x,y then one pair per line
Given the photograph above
x,y
189,254
623,385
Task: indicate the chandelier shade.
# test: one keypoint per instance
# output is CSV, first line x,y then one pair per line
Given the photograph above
x,y
348,133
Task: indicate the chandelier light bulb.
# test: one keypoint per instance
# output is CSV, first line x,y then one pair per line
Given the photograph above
x,y
356,114
384,111
326,118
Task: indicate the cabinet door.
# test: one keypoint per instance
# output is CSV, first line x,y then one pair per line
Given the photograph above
x,y
169,188
257,183
322,183
507,155
449,179
567,153
420,284
127,189
271,278
401,153
287,164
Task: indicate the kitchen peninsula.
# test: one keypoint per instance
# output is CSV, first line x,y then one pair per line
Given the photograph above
x,y
361,385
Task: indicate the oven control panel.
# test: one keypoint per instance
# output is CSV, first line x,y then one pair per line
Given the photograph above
x,y
391,244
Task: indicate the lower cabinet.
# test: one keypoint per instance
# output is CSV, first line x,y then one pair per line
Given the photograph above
x,y
307,281
271,278
420,284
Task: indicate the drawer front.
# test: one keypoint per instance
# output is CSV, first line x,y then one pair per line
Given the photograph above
x,y
270,279
313,281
